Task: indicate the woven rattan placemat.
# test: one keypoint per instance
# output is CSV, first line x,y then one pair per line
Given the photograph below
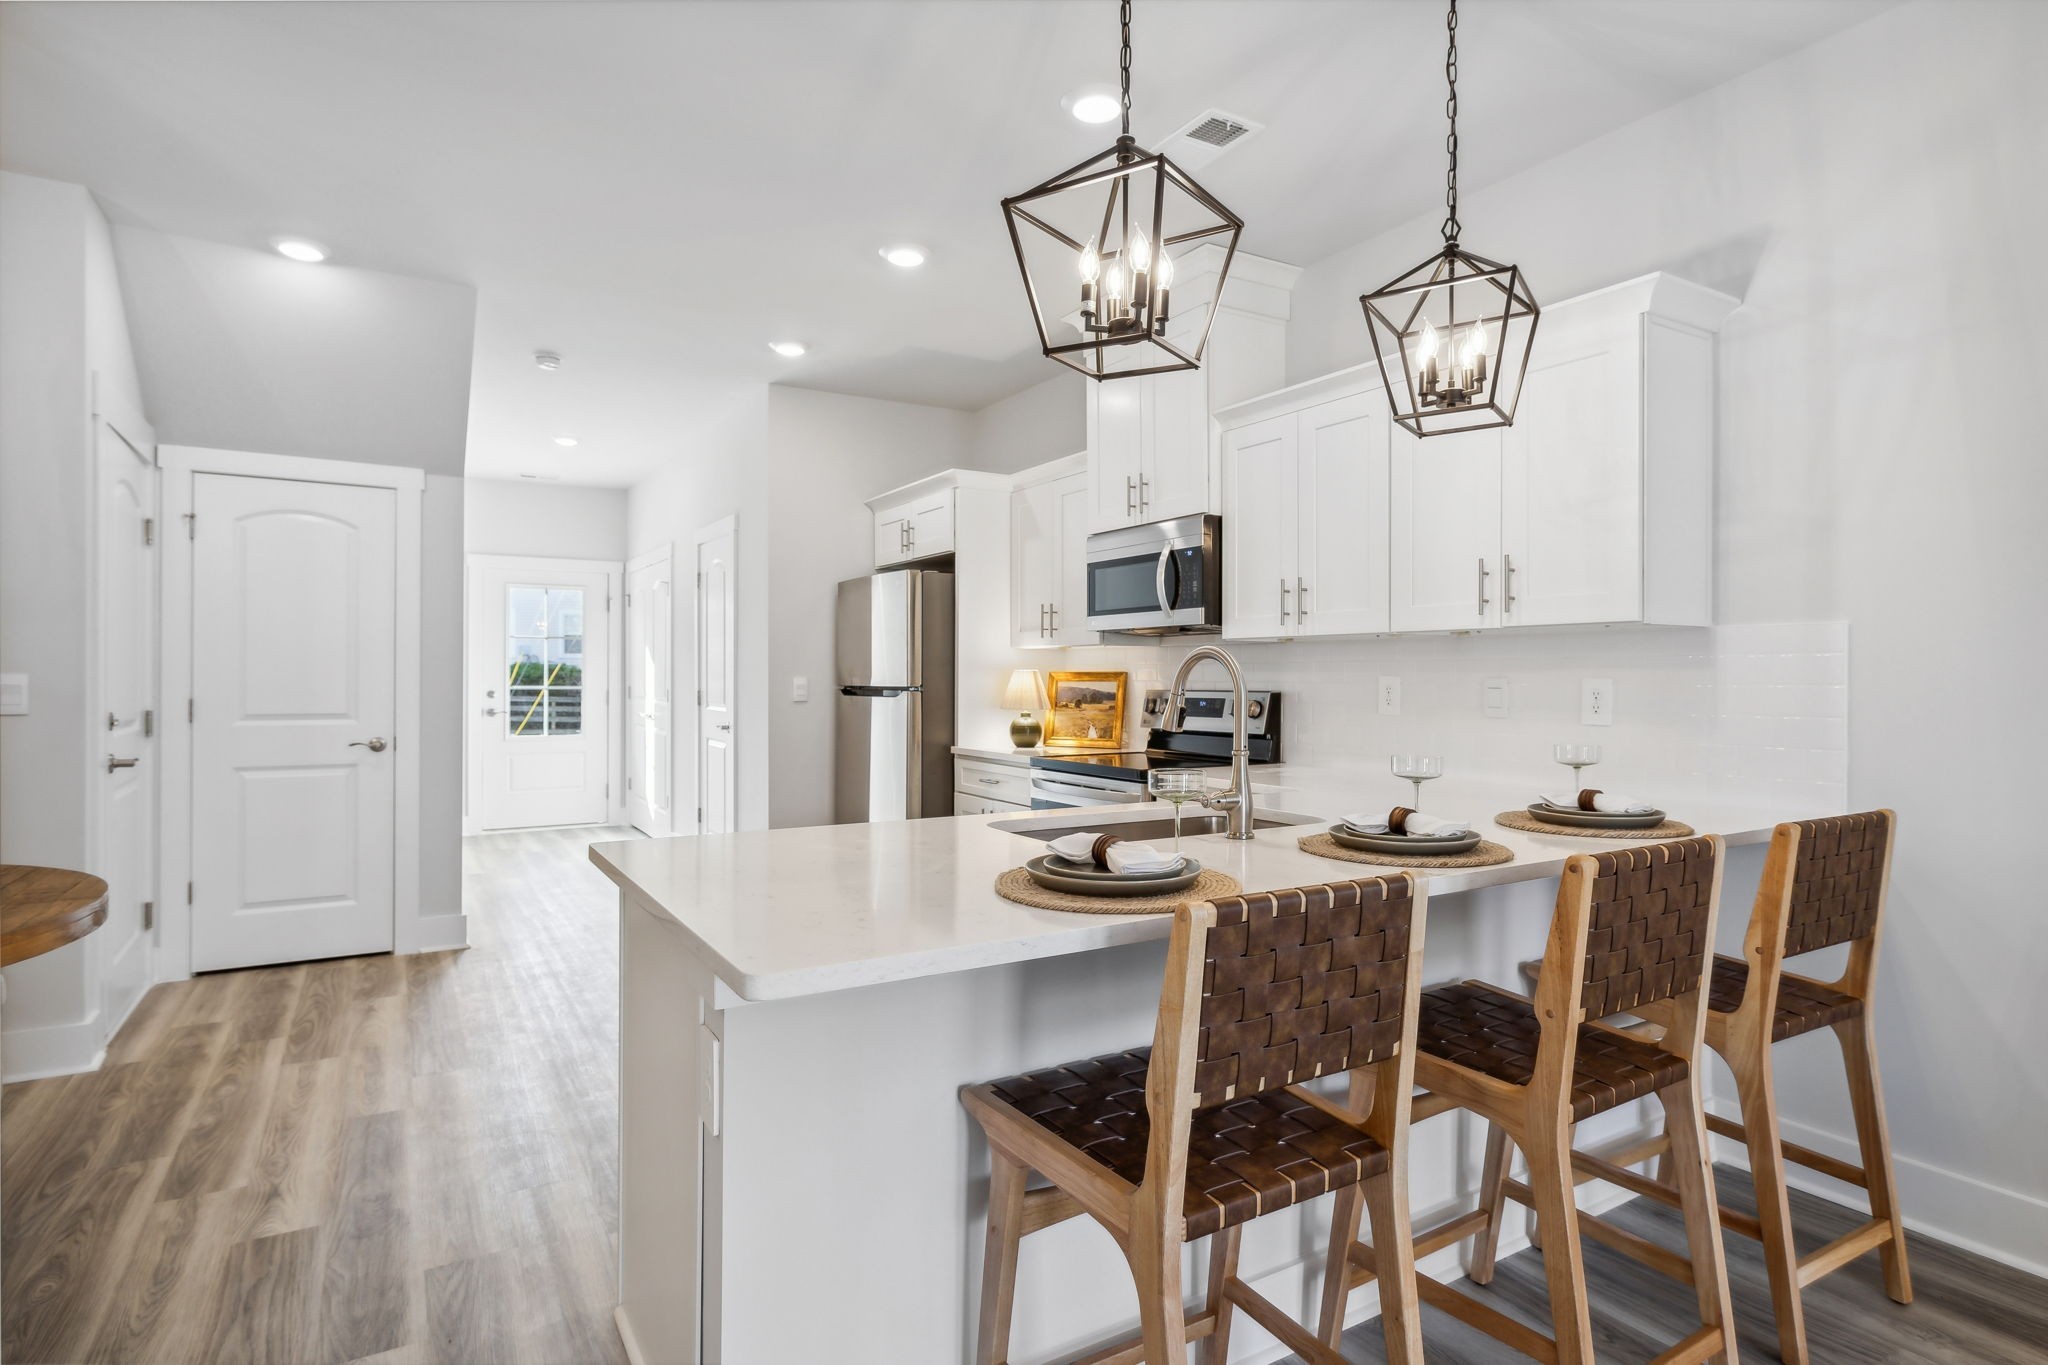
x,y
1016,885
1529,824
1486,855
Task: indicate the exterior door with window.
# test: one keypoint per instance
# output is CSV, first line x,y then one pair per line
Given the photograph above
x,y
540,749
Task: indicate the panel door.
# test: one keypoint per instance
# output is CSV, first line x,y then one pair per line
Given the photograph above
x,y
1174,478
126,484
717,764
1571,508
1260,501
1445,543
1034,563
1070,569
540,742
649,697
1343,520
1115,459
293,664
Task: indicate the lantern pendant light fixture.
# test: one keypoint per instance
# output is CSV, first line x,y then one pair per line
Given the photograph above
x,y
1458,326
1096,247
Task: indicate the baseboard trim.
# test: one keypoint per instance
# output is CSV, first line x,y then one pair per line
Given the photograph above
x,y
35,1054
439,933
2007,1226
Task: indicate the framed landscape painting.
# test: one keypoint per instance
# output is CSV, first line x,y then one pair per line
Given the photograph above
x,y
1087,710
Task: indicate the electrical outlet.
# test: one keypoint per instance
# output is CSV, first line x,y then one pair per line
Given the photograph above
x,y
1596,701
1494,693
1390,697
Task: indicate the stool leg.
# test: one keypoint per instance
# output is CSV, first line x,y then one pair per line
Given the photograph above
x,y
999,1258
1350,1205
1222,1269
1493,1199
1866,1097
1751,1063
1393,1252
1162,1307
1693,1172
1549,1153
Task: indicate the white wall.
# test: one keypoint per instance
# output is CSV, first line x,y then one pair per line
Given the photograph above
x,y
1873,200
549,520
442,510
1047,421
241,349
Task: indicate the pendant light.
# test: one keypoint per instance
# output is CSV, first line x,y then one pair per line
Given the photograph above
x,y
1096,246
1459,326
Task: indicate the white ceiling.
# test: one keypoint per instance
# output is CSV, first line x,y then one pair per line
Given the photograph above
x,y
658,190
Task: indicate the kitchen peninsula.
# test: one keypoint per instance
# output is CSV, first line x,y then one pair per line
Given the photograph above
x,y
802,1006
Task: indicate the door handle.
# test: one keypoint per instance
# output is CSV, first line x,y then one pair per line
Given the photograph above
x,y
725,727
375,745
1507,584
114,722
1484,574
113,763
490,710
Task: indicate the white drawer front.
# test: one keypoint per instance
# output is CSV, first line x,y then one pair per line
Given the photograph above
x,y
963,804
995,781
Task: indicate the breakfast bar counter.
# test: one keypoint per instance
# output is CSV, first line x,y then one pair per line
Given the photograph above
x,y
801,1007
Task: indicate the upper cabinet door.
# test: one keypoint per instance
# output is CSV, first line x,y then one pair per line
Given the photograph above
x,y
1174,473
1115,461
1070,574
931,525
1571,482
892,538
1445,569
1260,497
1034,562
1342,569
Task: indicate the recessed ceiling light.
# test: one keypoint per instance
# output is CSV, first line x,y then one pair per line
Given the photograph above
x,y
1094,104
565,440
905,255
299,249
789,350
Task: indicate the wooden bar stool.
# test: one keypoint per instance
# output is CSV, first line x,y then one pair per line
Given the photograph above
x,y
1632,927
1823,885
1208,1128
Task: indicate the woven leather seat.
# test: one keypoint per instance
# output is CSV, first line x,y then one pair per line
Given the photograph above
x,y
1803,1004
1495,1032
1245,1157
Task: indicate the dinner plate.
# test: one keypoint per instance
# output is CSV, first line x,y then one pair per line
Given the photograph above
x,y
1104,883
1593,819
1408,845
1067,867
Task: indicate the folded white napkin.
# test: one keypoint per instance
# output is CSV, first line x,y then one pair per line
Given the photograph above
x,y
1123,858
1417,823
1607,803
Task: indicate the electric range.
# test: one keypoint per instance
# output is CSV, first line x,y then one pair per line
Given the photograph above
x,y
1084,778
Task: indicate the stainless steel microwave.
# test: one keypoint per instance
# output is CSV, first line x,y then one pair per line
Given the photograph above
x,y
1162,579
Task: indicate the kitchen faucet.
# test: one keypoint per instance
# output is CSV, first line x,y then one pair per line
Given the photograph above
x,y
1238,799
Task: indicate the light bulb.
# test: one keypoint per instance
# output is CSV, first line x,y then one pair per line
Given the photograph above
x,y
1091,264
1141,251
1113,285
1475,346
1426,344
1165,275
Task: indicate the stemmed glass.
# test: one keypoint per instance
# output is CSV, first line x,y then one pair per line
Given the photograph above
x,y
1576,757
1417,768
1180,786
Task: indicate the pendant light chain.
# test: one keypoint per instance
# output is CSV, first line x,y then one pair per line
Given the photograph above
x,y
1451,225
1124,60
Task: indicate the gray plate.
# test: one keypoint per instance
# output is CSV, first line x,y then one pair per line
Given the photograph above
x,y
1412,846
1067,867
1108,883
1592,819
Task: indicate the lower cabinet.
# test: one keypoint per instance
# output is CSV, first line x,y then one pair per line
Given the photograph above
x,y
963,804
985,787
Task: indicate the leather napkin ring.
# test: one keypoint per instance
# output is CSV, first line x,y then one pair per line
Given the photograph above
x,y
1397,819
1589,798
1100,853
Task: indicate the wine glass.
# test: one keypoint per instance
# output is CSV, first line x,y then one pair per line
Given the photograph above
x,y
1576,757
1179,786
1417,768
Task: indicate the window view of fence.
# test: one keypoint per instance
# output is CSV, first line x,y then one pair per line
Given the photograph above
x,y
544,661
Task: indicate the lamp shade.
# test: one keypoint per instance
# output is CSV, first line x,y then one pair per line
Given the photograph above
x,y
1025,691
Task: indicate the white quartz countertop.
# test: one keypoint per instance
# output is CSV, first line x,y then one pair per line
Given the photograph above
x,y
795,912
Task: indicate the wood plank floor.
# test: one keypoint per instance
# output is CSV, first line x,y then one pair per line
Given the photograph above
x,y
392,1160
1965,1308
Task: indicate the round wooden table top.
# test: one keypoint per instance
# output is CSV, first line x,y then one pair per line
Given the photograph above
x,y
42,908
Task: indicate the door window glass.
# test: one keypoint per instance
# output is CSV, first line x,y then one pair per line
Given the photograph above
x,y
543,661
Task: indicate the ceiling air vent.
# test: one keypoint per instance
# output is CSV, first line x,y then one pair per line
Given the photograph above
x,y
1201,140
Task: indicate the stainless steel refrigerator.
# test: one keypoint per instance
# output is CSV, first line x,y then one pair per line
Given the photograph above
x,y
894,727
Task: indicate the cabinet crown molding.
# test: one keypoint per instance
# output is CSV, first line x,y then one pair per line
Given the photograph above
x,y
933,483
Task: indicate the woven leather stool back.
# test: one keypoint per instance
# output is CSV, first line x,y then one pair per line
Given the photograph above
x,y
1837,881
1299,983
1649,934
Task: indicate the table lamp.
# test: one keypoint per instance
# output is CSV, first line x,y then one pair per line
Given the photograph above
x,y
1025,695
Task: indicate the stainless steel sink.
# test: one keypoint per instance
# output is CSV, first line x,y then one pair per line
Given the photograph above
x,y
1149,827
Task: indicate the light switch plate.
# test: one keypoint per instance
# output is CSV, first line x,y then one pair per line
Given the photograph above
x,y
799,689
1596,701
1390,696
13,694
1494,697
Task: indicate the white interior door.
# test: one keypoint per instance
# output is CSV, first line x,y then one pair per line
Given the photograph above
x,y
294,687
716,589
650,667
126,855
540,733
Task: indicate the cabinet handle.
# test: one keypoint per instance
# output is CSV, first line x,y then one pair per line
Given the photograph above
x,y
1507,584
1484,574
910,535
1300,601
990,781
1144,493
1055,608
1283,601
1130,496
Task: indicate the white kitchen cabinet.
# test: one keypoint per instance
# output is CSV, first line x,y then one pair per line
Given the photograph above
x,y
1444,541
1049,520
1305,512
915,522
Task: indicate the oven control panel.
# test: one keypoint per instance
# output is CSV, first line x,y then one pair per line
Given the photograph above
x,y
1209,713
